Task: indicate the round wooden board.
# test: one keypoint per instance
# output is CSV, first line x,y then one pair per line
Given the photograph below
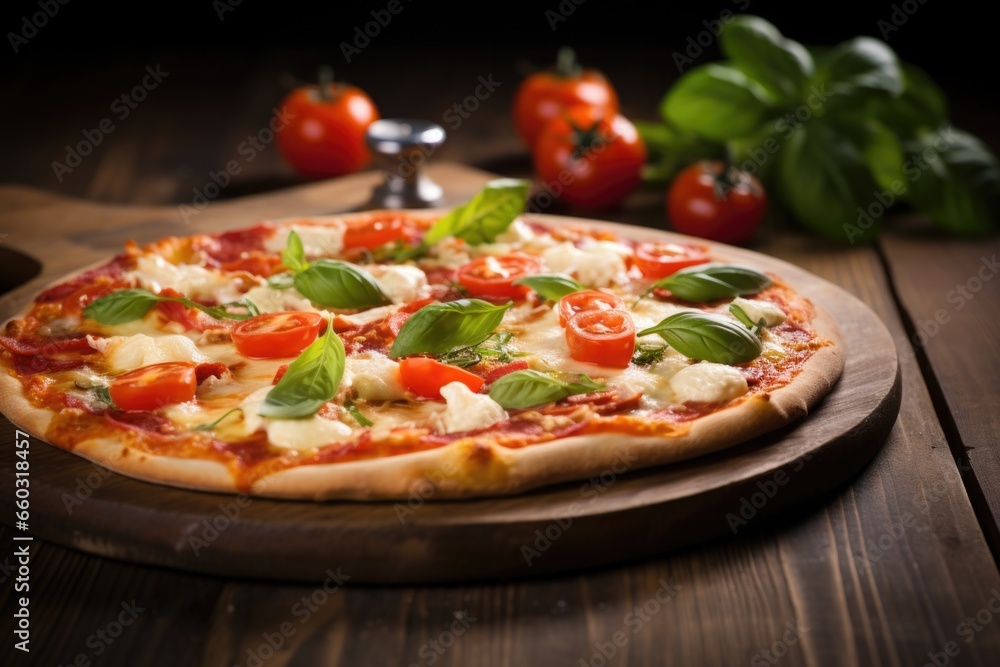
x,y
611,519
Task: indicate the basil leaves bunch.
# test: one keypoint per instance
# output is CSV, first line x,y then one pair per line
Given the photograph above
x,y
328,282
526,389
708,282
835,134
707,338
128,305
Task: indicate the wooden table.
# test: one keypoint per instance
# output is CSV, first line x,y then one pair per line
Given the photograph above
x,y
893,569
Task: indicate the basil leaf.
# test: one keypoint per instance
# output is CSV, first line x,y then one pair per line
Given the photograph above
x,y
856,71
310,381
782,66
921,108
252,308
357,414
718,102
128,305
741,315
551,286
337,284
123,306
294,255
707,337
647,354
439,328
497,347
960,190
525,389
103,394
485,217
709,282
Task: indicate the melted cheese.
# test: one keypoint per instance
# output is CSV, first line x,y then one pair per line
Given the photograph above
x,y
325,239
401,284
595,266
706,382
758,310
155,273
466,411
126,353
374,377
305,433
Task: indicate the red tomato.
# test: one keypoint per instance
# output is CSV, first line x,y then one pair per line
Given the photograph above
x,y
151,387
376,231
604,337
659,260
588,159
543,95
425,376
701,202
325,134
275,335
585,301
493,277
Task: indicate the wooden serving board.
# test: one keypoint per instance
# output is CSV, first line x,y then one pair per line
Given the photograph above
x,y
610,519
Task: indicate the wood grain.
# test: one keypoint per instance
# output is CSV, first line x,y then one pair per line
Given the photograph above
x,y
952,316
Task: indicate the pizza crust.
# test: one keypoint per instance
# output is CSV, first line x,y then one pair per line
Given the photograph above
x,y
466,469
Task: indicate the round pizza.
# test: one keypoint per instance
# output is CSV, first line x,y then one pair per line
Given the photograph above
x,y
483,350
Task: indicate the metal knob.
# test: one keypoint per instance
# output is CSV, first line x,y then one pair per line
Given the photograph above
x,y
401,147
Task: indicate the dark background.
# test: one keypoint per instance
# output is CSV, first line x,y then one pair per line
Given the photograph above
x,y
228,73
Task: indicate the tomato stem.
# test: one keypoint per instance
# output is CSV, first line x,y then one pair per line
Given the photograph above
x,y
325,77
566,64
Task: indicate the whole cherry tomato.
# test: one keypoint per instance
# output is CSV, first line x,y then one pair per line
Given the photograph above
x,y
152,387
493,277
325,134
276,335
543,95
590,160
726,208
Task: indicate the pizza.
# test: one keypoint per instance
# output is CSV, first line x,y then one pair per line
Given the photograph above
x,y
484,350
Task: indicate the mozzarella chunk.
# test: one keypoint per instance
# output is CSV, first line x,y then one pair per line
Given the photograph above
x,y
319,240
466,411
374,377
708,383
126,353
401,284
305,433
449,252
155,273
366,316
517,232
595,266
270,300
757,310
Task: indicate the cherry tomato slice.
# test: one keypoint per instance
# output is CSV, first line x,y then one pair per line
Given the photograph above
x,y
587,300
425,377
151,387
603,337
375,232
275,335
493,277
659,260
